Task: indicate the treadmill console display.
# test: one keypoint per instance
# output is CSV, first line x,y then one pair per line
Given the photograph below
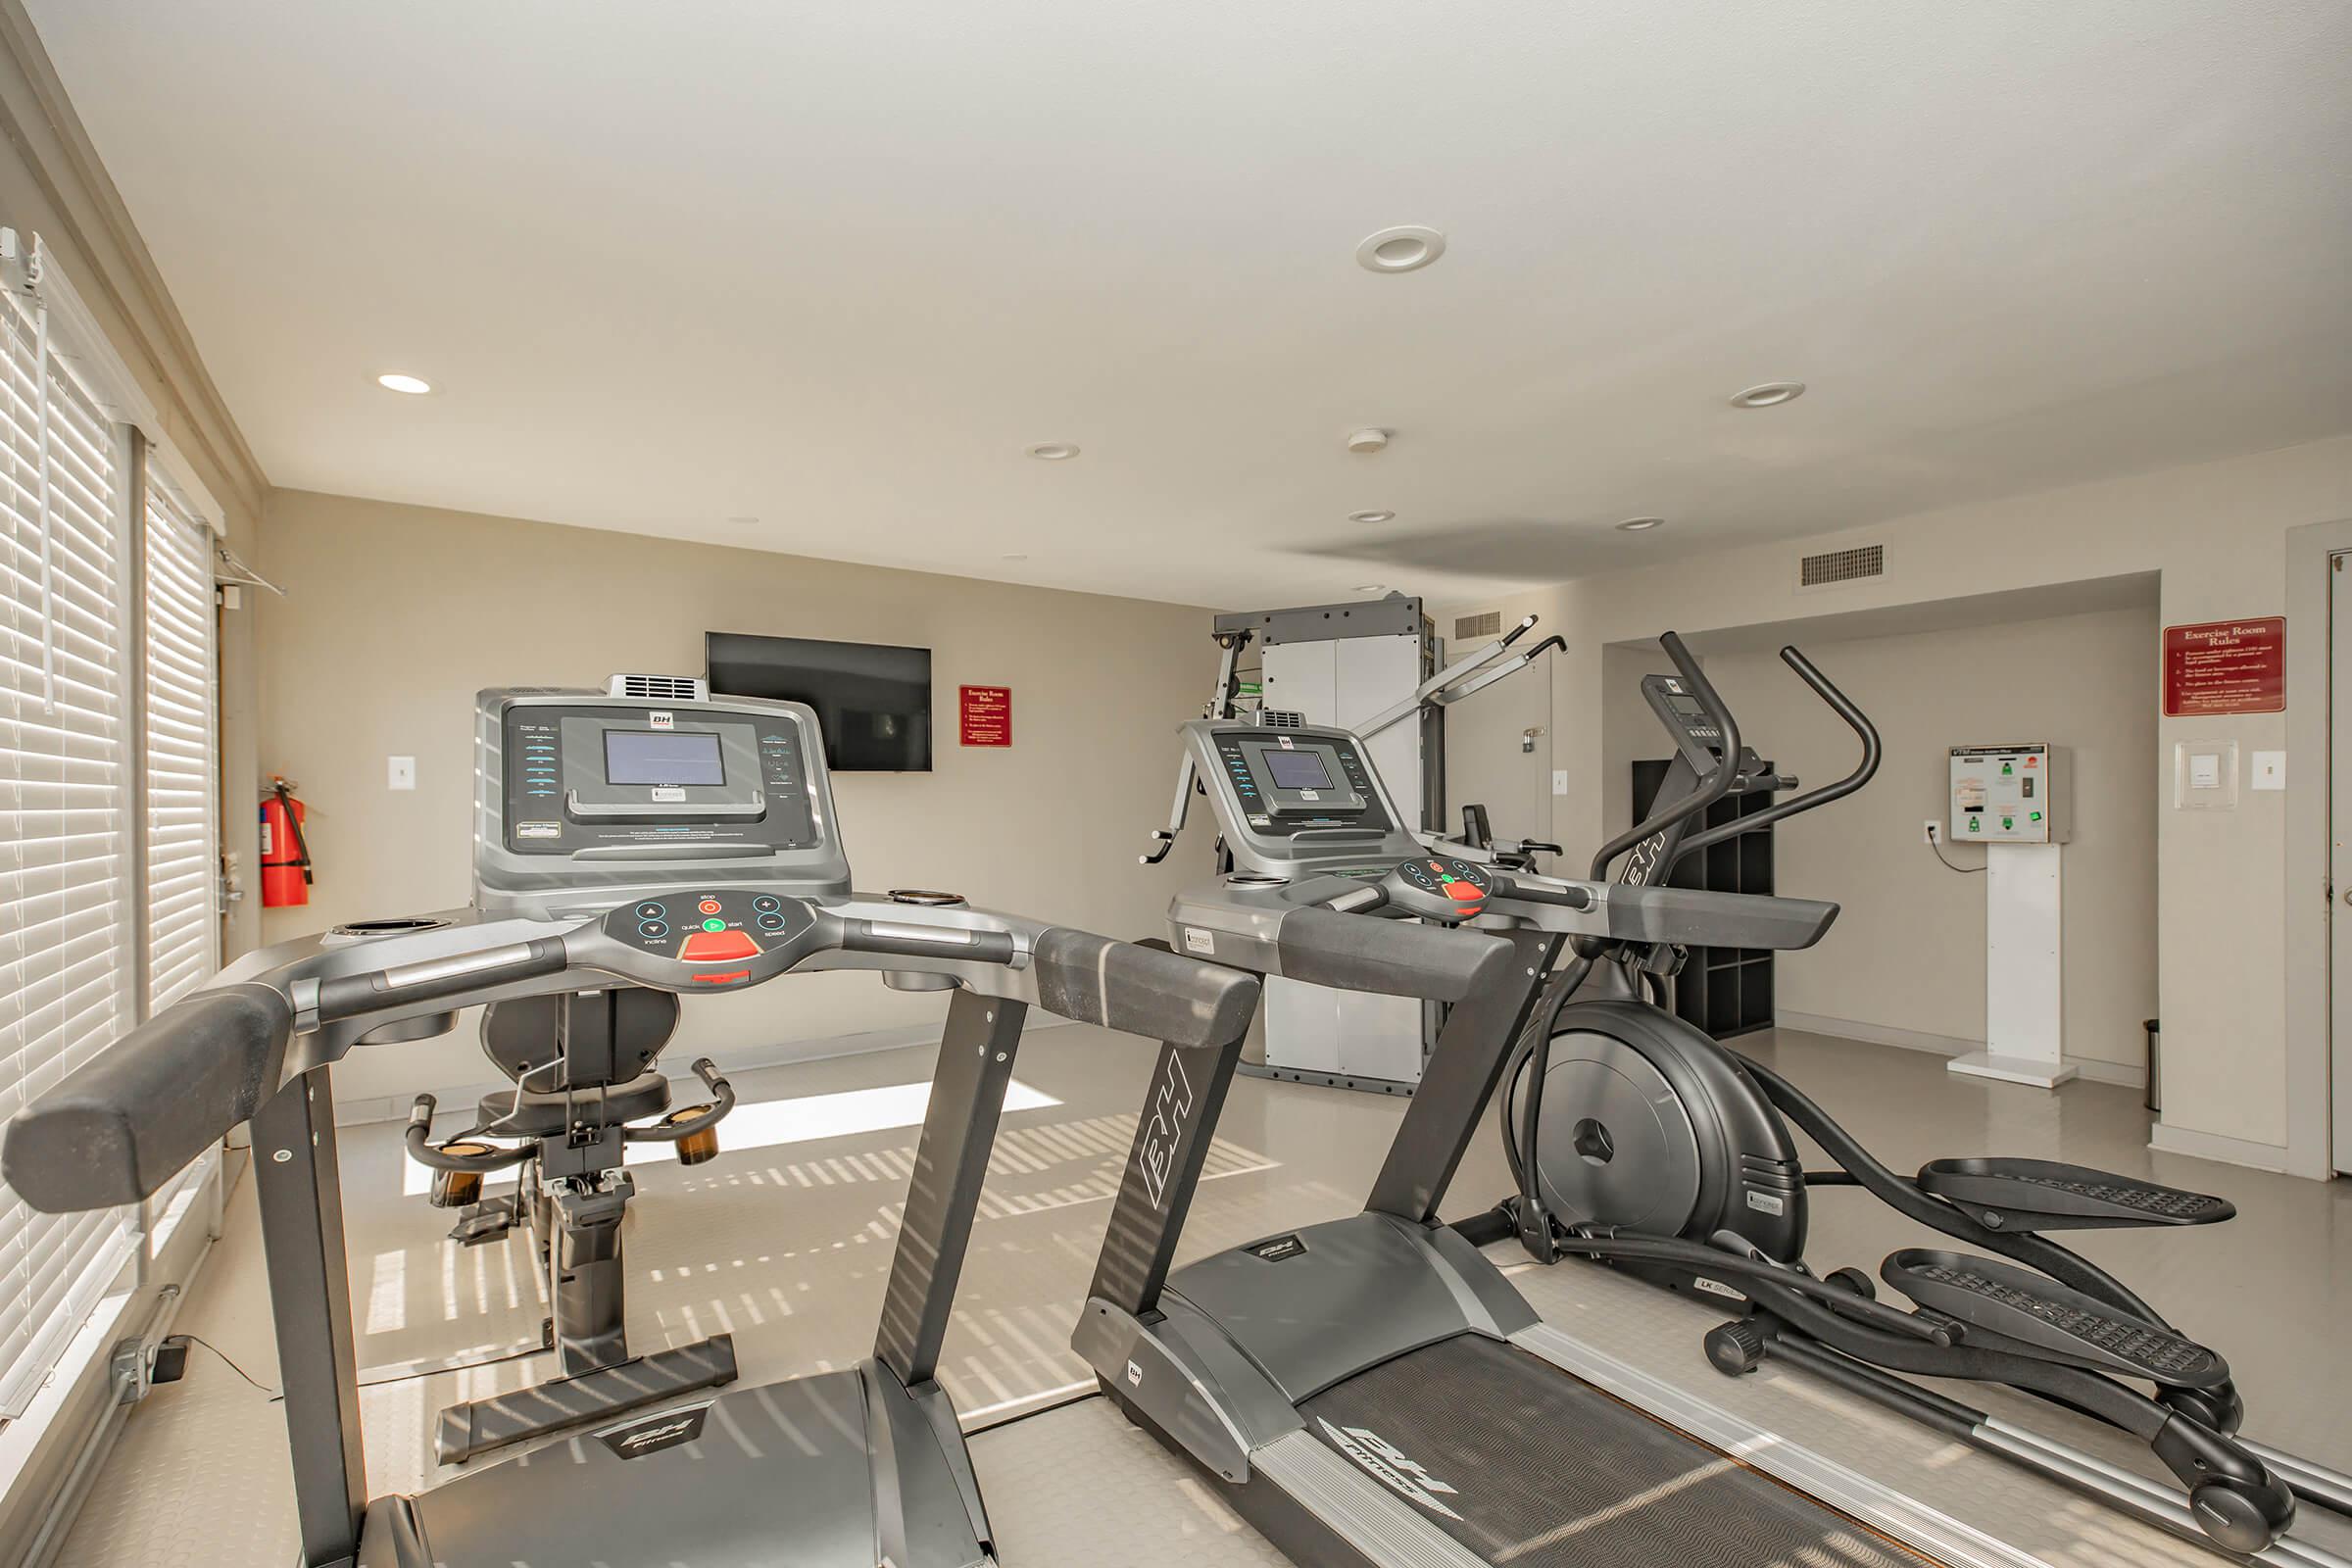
x,y
654,757
581,777
588,801
1285,781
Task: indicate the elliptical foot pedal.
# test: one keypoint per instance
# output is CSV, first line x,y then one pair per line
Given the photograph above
x,y
480,1425
2045,1319
2043,1194
488,1220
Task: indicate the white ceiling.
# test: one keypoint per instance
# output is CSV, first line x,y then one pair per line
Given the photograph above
x,y
835,266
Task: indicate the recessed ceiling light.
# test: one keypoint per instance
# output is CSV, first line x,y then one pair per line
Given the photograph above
x,y
744,522
1404,249
1012,558
1054,451
1371,516
1640,524
414,385
1770,395
1371,587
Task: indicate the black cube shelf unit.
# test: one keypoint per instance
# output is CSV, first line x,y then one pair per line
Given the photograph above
x,y
1725,991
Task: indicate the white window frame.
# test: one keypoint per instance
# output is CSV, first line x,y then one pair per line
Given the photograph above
x,y
95,445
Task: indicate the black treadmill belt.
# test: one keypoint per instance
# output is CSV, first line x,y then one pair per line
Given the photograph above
x,y
1530,1467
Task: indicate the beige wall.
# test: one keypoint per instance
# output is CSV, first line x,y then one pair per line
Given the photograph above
x,y
2216,534
1908,953
396,616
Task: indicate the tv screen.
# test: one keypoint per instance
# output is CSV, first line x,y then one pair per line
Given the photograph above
x,y
872,700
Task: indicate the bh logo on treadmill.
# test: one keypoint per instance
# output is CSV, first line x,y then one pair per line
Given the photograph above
x,y
1389,1467
1156,1150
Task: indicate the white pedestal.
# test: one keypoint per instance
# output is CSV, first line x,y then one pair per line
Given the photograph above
x,y
2025,994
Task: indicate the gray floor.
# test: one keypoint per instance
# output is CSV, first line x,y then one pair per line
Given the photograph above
x,y
786,1247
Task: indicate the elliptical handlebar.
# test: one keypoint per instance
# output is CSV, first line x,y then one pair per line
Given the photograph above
x,y
1712,788
1855,720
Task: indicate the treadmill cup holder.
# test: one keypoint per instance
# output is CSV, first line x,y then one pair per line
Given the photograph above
x,y
459,1189
696,1148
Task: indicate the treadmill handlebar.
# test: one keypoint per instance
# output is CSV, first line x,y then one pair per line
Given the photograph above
x,y
1542,890
1389,957
130,1119
1142,990
126,1122
910,942
354,996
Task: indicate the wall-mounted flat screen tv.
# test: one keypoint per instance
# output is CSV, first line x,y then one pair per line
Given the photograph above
x,y
873,701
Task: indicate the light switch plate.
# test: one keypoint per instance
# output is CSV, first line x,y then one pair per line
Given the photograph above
x,y
400,772
2205,776
1559,781
2269,771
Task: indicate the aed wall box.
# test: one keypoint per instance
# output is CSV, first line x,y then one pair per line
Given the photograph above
x,y
2010,795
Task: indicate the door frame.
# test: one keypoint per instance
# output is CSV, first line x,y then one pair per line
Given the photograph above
x,y
2319,1055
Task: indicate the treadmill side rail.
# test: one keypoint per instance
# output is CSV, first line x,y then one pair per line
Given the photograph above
x,y
1166,1382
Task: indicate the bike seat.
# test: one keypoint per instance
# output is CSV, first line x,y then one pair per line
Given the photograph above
x,y
2046,1320
2042,1194
552,1113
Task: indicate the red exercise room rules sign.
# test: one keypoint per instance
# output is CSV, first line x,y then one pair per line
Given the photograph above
x,y
2226,666
987,714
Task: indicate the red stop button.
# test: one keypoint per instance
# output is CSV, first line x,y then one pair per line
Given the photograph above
x,y
717,947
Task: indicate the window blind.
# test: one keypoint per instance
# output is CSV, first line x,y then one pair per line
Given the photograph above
x,y
66,902
178,750
179,805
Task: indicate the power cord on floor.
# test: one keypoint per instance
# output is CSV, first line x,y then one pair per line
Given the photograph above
x,y
225,1361
406,1377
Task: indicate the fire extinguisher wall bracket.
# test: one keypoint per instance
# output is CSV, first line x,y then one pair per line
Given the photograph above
x,y
285,855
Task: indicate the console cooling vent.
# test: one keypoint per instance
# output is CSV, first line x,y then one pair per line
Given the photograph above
x,y
1283,718
1834,567
659,688
1478,628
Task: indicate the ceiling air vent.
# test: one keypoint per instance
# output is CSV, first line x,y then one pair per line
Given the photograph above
x,y
659,688
1478,628
1835,566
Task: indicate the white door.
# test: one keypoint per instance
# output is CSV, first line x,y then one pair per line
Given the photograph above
x,y
1498,752
2339,852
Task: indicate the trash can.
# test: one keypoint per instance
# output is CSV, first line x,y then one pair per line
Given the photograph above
x,y
2155,1062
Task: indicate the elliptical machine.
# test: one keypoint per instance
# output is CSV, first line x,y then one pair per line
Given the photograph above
x,y
1636,1139
582,1068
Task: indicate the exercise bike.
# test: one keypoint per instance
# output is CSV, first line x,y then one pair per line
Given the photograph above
x,y
1636,1139
584,1087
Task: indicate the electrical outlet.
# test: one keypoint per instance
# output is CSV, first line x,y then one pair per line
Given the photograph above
x,y
1934,833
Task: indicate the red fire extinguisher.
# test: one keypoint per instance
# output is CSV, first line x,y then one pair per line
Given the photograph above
x,y
285,857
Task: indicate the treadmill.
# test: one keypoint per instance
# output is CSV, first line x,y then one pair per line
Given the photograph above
x,y
679,843
1372,1390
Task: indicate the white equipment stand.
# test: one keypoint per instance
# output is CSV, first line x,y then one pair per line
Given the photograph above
x,y
2024,992
2012,800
